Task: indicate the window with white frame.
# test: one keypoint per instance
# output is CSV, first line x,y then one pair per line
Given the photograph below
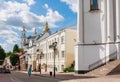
x,y
62,39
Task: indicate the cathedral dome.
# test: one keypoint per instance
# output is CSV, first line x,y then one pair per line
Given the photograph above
x,y
46,29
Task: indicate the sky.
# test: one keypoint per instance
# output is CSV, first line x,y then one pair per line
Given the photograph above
x,y
14,14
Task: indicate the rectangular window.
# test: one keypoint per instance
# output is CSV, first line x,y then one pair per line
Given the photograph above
x,y
63,54
53,55
62,39
94,5
58,40
62,67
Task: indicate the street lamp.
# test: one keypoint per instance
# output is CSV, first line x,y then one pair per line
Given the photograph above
x,y
53,46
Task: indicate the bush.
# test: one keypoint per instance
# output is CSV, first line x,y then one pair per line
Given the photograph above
x,y
70,69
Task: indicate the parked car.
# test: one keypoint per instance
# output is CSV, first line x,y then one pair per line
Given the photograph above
x,y
7,71
2,70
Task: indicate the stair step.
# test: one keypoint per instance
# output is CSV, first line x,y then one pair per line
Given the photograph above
x,y
111,67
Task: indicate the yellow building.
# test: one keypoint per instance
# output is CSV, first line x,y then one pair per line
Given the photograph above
x,y
64,57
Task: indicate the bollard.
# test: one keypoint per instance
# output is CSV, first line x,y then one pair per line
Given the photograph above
x,y
50,73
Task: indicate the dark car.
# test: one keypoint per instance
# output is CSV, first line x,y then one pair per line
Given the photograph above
x,y
7,71
1,70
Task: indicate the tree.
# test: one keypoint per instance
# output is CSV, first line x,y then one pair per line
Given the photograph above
x,y
14,59
21,50
2,55
8,54
16,48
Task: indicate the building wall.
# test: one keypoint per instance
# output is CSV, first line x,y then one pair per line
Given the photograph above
x,y
60,61
96,35
70,41
32,57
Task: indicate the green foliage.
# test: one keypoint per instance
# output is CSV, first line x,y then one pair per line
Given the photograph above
x,y
21,50
70,69
9,54
2,55
16,48
14,59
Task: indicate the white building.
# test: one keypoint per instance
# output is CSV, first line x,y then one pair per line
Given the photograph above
x,y
38,45
98,33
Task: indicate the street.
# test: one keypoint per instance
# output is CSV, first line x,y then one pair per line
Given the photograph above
x,y
22,77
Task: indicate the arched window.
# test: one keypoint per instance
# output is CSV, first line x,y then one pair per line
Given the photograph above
x,y
93,4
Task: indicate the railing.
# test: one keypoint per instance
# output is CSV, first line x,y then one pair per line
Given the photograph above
x,y
102,61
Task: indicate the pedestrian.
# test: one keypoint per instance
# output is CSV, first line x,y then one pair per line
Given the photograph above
x,y
30,70
19,67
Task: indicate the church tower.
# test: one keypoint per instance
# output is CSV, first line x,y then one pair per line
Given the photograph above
x,y
35,32
98,31
46,29
23,37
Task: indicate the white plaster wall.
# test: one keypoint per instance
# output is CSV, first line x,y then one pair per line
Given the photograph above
x,y
94,23
93,54
98,32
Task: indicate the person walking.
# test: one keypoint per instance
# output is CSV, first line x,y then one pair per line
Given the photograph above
x,y
30,70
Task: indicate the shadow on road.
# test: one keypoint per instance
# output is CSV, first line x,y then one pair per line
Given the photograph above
x,y
66,77
115,71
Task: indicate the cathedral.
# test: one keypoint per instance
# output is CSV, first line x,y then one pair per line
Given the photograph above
x,y
98,33
29,46
29,41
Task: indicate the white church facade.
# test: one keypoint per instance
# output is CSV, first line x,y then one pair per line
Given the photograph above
x,y
98,33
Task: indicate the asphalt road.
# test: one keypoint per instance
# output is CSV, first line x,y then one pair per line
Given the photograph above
x,y
22,77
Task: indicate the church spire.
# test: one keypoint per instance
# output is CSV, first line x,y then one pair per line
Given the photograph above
x,y
35,32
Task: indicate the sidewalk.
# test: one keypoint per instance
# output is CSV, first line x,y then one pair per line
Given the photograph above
x,y
72,77
61,76
4,78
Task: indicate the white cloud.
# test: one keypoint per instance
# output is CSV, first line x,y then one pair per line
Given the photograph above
x,y
72,4
14,15
29,2
52,16
46,6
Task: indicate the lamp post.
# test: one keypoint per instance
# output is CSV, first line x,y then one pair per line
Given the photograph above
x,y
53,46
40,64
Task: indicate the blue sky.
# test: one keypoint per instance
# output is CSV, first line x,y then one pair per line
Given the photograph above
x,y
14,14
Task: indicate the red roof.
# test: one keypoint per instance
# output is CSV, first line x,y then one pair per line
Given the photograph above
x,y
20,53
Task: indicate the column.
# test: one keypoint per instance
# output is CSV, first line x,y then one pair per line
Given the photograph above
x,y
80,22
118,20
109,28
79,65
118,27
109,21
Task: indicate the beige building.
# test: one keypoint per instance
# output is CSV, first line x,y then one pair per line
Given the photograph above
x,y
39,52
64,57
